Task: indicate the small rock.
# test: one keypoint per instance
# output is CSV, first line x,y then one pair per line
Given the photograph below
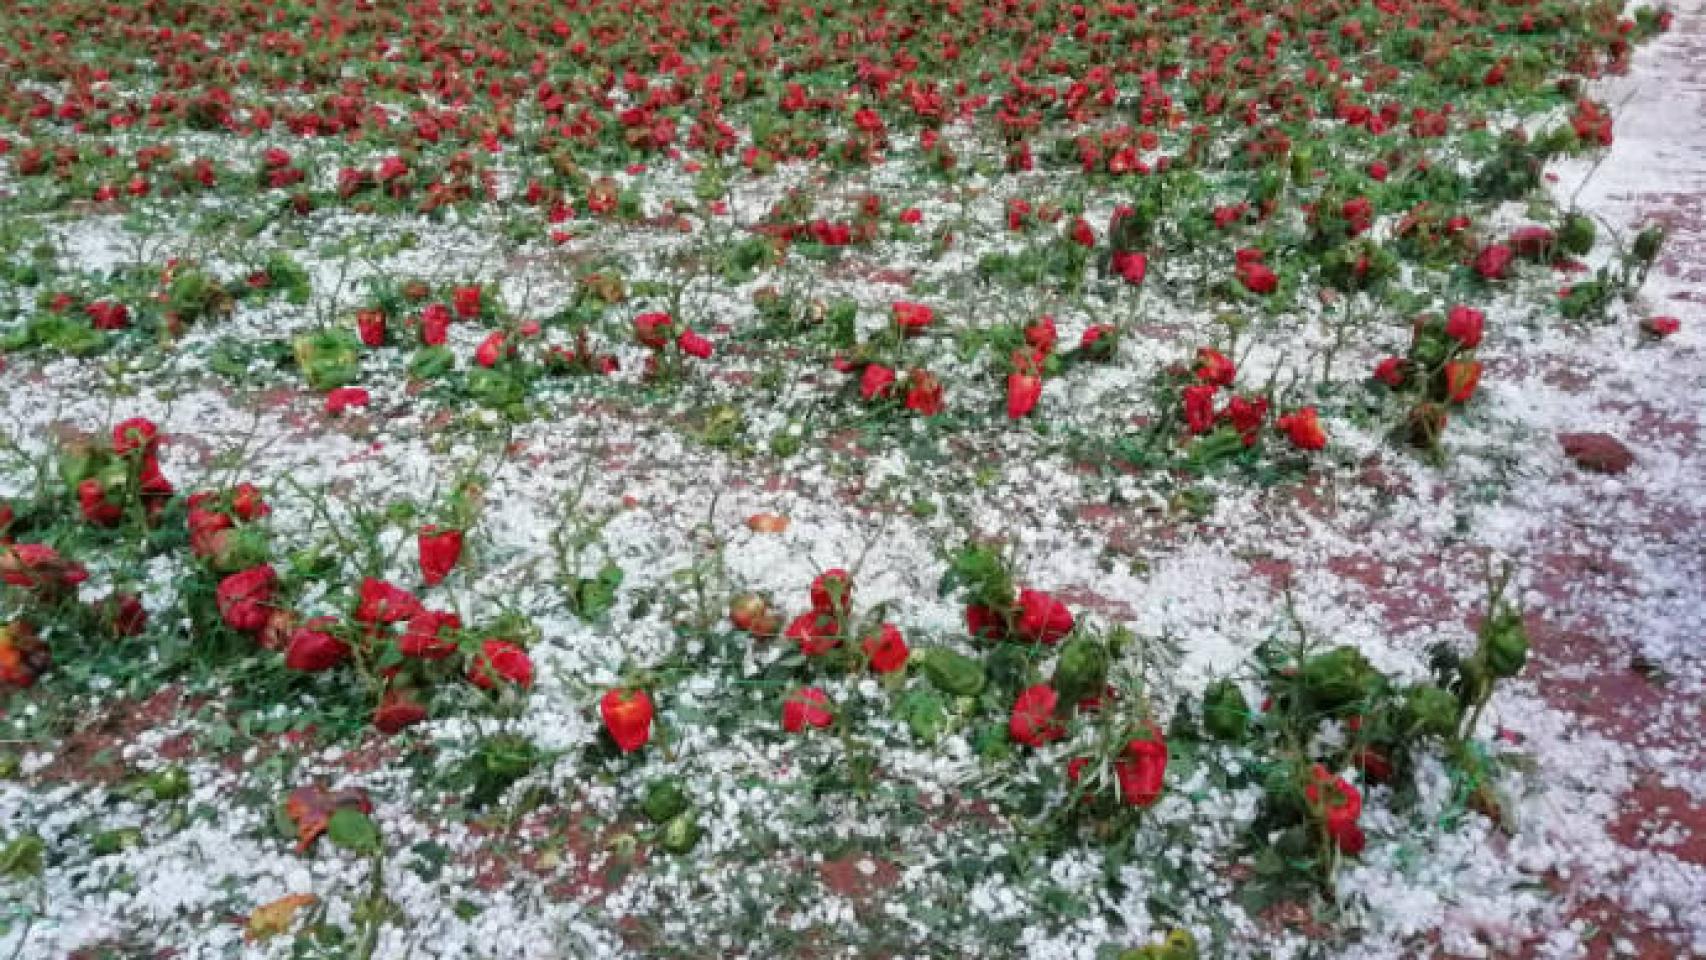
x,y
1599,452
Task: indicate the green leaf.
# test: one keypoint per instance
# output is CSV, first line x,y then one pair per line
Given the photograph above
x,y
610,575
429,859
594,596
389,657
22,857
114,841
353,830
282,822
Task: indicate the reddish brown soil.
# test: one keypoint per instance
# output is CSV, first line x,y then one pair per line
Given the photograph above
x,y
93,753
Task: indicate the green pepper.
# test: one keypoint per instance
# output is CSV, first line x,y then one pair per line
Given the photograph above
x,y
953,673
1082,670
1225,712
1506,643
1430,710
681,834
1647,244
1216,446
664,801
1339,677
925,714
1578,234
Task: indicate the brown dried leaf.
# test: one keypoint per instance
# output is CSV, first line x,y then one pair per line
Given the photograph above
x,y
767,523
270,920
311,809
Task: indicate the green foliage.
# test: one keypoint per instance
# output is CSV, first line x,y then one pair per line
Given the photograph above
x,y
328,358
592,597
353,830
22,856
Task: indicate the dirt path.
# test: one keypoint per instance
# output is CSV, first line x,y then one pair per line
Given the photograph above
x,y
1620,632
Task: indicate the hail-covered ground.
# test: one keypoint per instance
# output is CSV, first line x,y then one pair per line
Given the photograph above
x,y
885,843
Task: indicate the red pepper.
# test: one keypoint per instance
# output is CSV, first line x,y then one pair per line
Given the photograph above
x,y
502,660
439,551
1032,722
806,707
1142,771
312,649
1042,618
396,710
628,716
245,598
